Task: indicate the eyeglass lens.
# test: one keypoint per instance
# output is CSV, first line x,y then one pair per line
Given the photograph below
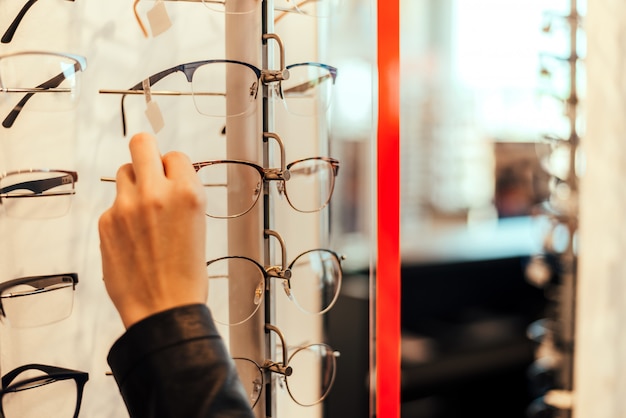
x,y
313,373
26,306
315,281
251,377
39,398
25,194
232,189
308,90
212,82
25,72
310,185
237,276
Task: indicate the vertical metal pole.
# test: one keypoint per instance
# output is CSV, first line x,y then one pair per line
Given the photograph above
x,y
268,126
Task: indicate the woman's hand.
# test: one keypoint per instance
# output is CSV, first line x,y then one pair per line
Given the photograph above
x,y
152,238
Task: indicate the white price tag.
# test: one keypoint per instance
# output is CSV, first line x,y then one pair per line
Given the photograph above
x,y
153,113
158,18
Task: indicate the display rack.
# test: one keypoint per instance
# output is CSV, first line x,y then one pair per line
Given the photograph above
x,y
264,234
555,269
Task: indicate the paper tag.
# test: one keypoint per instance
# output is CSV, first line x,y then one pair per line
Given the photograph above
x,y
158,18
153,113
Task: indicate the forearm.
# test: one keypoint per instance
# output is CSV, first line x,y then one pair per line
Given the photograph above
x,y
175,364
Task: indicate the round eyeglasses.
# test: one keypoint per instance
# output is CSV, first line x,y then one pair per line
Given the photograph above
x,y
308,376
312,281
233,187
37,193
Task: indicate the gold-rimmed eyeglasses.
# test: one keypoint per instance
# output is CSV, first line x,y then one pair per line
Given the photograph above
x,y
312,281
307,371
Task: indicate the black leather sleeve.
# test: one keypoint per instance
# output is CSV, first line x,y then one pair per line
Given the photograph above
x,y
175,364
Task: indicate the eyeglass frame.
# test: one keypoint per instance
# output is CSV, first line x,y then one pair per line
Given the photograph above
x,y
273,174
284,369
268,174
52,372
284,272
43,184
36,281
7,37
47,86
188,69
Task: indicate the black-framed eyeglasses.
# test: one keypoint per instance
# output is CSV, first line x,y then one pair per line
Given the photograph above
x,y
36,395
37,193
305,89
37,300
312,281
7,37
308,372
52,76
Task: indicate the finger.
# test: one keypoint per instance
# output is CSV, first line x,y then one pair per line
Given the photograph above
x,y
146,158
178,166
124,179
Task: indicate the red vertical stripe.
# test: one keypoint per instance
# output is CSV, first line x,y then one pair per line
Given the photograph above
x,y
388,214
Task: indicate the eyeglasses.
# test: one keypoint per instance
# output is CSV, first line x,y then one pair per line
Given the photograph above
x,y
37,300
10,32
227,88
37,395
54,77
308,373
233,187
37,194
319,8
312,281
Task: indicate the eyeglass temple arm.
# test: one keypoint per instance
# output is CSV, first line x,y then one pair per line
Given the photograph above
x,y
40,186
281,368
10,32
50,84
153,79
